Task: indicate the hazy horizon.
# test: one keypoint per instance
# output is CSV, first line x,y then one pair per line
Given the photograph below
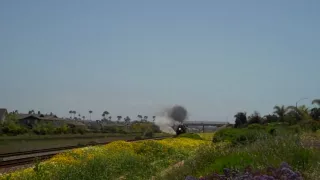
x,y
215,58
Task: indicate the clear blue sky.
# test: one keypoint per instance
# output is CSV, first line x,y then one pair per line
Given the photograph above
x,y
137,57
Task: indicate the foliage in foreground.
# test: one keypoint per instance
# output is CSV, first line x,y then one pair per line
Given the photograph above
x,y
271,173
191,136
260,155
134,161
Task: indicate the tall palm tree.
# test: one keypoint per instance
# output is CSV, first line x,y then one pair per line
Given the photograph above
x,y
90,112
110,117
119,118
316,101
140,116
127,119
302,112
145,118
31,112
106,113
280,111
154,118
74,114
70,112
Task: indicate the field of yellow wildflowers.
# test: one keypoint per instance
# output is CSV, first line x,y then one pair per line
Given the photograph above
x,y
118,160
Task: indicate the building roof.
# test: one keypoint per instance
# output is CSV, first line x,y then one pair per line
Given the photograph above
x,y
2,112
49,118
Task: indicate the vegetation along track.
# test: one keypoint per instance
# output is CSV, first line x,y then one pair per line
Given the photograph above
x,y
33,156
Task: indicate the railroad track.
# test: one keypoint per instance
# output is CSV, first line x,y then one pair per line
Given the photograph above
x,y
29,157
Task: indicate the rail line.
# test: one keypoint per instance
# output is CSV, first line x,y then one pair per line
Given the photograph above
x,y
34,157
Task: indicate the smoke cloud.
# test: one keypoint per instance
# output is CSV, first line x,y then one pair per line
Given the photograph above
x,y
171,117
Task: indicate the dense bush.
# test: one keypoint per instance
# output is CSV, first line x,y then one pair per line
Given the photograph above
x,y
149,134
271,173
12,128
256,126
109,129
62,130
295,128
191,136
242,135
310,125
78,130
260,155
44,128
255,118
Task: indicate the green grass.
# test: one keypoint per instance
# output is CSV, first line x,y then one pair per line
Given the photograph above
x,y
27,143
260,154
191,136
206,136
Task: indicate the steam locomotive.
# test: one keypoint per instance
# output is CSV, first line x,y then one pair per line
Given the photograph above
x,y
181,129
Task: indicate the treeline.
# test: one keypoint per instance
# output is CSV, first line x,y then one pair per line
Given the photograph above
x,y
290,115
12,127
289,119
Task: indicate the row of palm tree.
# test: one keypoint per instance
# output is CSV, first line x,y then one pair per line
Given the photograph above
x,y
145,118
106,117
290,114
301,112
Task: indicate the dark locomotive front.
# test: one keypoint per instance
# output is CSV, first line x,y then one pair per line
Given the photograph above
x,y
181,129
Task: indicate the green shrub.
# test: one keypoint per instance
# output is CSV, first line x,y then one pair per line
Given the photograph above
x,y
62,130
44,128
310,125
239,135
109,129
191,136
149,134
78,130
12,128
255,126
259,155
295,128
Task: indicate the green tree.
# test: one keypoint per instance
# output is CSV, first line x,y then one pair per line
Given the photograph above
x,y
31,112
315,113
280,111
70,112
127,120
241,119
119,118
90,112
255,118
140,117
301,113
316,101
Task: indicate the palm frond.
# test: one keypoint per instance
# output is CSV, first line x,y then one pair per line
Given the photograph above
x,y
316,101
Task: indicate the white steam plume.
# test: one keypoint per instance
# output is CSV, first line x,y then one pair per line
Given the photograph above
x,y
169,118
165,124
